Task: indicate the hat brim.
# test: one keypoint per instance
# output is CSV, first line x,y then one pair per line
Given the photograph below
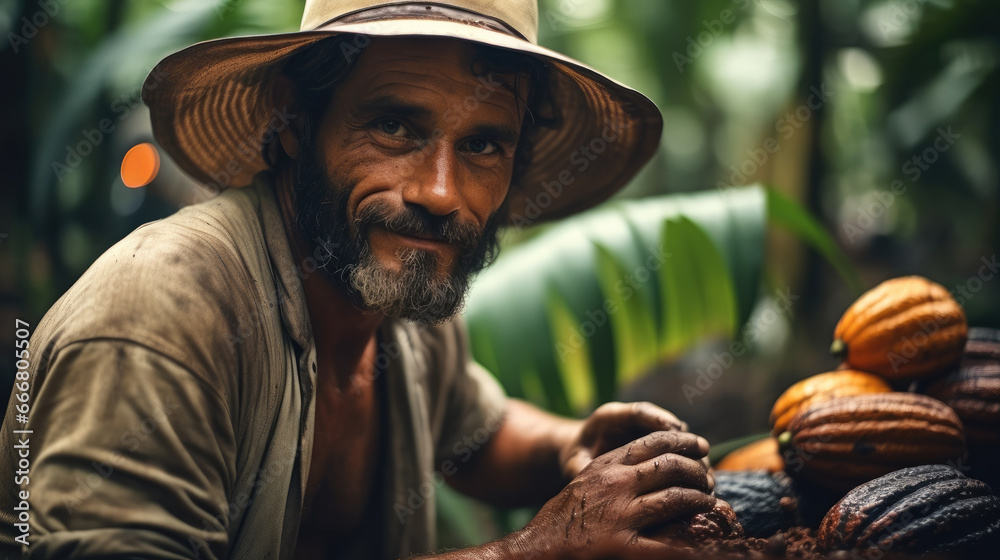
x,y
210,112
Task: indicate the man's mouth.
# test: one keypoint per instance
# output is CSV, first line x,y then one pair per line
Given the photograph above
x,y
419,239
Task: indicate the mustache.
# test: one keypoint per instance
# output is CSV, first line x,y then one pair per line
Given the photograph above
x,y
415,221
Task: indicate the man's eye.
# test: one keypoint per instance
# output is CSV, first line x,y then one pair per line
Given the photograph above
x,y
392,128
480,146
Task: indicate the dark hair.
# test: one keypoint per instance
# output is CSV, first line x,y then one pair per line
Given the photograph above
x,y
318,68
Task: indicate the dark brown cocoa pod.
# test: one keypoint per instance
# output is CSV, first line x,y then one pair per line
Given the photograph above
x,y
930,508
843,442
973,390
764,502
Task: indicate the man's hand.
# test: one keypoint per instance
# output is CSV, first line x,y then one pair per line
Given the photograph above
x,y
611,426
654,479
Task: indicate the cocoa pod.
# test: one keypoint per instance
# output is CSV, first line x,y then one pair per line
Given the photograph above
x,y
761,455
904,328
973,391
846,441
764,503
824,386
916,510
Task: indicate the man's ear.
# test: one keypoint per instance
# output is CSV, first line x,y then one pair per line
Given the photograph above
x,y
283,98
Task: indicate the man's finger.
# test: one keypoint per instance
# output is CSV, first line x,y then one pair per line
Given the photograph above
x,y
653,418
669,470
669,504
577,463
659,443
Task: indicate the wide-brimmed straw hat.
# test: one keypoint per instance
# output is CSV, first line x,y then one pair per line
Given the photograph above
x,y
210,104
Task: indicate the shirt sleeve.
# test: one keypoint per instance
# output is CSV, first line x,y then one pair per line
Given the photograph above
x,y
474,404
134,456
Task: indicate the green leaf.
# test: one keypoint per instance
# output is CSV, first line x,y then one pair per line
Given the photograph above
x,y
681,312
719,451
561,282
787,213
454,513
573,351
734,218
632,324
700,299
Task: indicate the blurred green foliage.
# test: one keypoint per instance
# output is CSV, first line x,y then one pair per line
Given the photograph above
x,y
879,116
595,301
729,75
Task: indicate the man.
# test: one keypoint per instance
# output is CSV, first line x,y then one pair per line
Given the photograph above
x,y
275,372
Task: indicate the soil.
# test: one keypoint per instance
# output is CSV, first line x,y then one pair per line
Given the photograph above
x,y
796,543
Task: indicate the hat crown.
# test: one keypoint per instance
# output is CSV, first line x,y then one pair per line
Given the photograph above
x,y
521,15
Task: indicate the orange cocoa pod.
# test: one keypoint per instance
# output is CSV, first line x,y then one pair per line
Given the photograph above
x,y
840,383
904,328
761,455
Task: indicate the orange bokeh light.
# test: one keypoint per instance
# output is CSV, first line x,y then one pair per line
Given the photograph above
x,y
140,165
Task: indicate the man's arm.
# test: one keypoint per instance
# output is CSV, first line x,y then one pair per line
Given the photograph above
x,y
520,463
606,508
133,456
606,479
535,454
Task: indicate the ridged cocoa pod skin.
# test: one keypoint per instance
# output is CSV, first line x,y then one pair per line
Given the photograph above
x,y
930,508
973,391
824,386
764,503
843,442
903,329
761,455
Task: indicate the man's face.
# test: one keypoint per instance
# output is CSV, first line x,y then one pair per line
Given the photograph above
x,y
410,164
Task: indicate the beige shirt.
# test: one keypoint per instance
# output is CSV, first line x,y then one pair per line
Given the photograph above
x,y
172,401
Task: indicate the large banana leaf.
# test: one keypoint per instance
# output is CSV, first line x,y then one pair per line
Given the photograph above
x,y
566,317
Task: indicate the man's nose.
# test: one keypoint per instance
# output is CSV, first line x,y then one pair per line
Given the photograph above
x,y
434,184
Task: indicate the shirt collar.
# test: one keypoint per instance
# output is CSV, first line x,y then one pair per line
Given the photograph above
x,y
288,272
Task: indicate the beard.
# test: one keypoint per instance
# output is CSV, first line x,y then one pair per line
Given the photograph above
x,y
418,291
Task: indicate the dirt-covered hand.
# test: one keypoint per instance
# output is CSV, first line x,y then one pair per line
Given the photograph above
x,y
644,483
611,426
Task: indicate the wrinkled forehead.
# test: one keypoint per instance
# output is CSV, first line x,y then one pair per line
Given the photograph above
x,y
443,63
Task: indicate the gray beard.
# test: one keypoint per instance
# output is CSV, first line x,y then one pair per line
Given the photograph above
x,y
411,293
